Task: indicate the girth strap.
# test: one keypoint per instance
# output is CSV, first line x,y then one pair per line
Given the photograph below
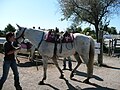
x,y
40,41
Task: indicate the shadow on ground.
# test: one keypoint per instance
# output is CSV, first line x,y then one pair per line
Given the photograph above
x,y
72,87
30,64
107,66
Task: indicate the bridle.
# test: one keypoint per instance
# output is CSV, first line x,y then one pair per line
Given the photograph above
x,y
22,35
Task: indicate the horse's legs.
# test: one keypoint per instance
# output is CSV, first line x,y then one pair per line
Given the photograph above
x,y
18,61
78,58
45,62
56,64
89,70
32,52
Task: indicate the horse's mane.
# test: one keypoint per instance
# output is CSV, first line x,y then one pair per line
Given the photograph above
x,y
42,30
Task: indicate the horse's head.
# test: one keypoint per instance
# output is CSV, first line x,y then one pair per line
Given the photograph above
x,y
19,33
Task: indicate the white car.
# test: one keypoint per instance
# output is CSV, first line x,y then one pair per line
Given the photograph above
x,y
2,40
107,39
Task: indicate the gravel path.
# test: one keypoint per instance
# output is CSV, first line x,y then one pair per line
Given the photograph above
x,y
105,78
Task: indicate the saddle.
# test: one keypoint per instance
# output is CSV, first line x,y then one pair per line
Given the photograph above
x,y
59,38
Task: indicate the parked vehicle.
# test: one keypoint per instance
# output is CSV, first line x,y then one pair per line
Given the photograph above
x,y
2,40
107,39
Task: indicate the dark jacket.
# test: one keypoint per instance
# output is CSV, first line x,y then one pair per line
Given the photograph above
x,y
8,47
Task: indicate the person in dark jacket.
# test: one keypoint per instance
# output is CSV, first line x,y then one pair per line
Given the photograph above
x,y
9,61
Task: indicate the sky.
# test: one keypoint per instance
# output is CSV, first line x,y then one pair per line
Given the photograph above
x,y
39,13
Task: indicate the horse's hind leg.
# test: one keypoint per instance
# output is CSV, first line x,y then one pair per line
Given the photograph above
x,y
78,58
89,70
56,63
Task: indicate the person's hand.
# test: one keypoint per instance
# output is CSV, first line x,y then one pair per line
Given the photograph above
x,y
17,48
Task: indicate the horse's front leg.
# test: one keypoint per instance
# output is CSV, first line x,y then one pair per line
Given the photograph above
x,y
78,58
32,54
56,64
17,51
45,62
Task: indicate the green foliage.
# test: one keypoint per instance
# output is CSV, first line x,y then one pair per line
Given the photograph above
x,y
74,29
91,11
9,28
88,31
2,33
112,30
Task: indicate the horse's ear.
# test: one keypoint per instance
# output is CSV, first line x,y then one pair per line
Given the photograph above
x,y
18,26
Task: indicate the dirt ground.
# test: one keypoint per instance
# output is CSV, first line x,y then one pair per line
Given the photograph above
x,y
104,78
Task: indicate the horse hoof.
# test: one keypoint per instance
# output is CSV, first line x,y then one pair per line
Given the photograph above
x,y
41,83
72,75
86,81
62,76
18,62
71,78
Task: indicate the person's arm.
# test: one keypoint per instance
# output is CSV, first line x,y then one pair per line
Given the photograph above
x,y
7,49
13,51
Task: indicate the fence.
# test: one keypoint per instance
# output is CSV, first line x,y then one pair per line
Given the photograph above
x,y
114,47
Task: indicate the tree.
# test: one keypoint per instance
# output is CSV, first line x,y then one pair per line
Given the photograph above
x,y
2,33
88,31
73,28
112,30
91,11
79,29
9,28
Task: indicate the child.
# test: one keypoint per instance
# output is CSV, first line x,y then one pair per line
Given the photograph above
x,y
9,61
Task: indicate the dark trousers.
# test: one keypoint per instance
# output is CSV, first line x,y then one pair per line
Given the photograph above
x,y
6,66
69,63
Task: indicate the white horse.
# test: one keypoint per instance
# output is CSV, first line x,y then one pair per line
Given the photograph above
x,y
82,48
25,50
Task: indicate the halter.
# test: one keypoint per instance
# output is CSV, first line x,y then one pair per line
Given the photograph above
x,y
22,35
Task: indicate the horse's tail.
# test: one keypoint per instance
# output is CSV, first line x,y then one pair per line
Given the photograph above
x,y
91,58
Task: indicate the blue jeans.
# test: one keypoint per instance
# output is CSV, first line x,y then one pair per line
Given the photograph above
x,y
6,66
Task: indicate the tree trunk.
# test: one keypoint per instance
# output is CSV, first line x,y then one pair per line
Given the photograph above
x,y
100,56
97,30
99,36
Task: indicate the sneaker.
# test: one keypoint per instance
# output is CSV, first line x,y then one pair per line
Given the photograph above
x,y
1,87
18,87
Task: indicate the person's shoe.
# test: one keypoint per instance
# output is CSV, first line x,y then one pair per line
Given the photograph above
x,y
1,87
18,87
